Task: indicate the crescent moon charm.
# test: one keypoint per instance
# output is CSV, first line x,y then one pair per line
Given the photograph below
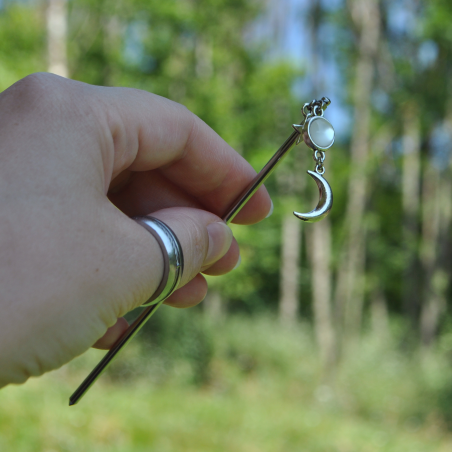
x,y
325,201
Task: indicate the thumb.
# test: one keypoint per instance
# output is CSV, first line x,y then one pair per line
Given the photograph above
x,y
204,239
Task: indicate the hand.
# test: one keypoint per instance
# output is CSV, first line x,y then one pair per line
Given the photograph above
x,y
76,161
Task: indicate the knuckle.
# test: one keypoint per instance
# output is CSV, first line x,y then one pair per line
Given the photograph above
x,y
37,86
42,91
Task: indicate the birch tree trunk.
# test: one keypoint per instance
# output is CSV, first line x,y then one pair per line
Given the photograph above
x,y
379,313
411,176
433,303
319,251
56,18
290,272
350,280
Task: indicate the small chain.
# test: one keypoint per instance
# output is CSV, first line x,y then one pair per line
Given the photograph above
x,y
315,108
319,158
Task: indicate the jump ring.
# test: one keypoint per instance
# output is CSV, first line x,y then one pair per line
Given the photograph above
x,y
319,155
173,258
318,111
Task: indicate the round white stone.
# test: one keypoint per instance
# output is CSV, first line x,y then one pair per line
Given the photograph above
x,y
321,133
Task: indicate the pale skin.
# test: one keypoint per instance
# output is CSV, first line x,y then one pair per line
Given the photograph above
x,y
76,162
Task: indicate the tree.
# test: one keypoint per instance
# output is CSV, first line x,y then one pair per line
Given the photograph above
x,y
365,17
56,16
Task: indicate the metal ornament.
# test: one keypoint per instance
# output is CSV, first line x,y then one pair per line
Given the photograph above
x,y
325,201
318,134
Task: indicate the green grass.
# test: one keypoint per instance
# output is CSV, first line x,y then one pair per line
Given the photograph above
x,y
263,391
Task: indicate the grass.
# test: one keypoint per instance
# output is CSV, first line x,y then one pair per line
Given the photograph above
x,y
263,391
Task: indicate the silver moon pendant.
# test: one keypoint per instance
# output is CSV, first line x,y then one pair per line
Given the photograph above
x,y
318,134
325,202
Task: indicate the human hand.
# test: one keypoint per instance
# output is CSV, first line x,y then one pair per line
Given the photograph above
x,y
76,161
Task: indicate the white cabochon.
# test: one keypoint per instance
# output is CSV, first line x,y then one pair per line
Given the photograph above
x,y
321,133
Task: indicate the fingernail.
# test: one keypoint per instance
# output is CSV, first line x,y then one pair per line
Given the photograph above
x,y
220,239
271,210
238,263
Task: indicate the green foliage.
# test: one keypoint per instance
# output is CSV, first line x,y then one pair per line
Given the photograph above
x,y
265,393
176,344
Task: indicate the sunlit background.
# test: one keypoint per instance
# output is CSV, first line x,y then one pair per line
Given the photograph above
x,y
330,337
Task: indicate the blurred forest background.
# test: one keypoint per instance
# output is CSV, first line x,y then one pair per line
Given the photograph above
x,y
335,336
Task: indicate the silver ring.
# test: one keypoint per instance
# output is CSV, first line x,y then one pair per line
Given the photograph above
x,y
173,258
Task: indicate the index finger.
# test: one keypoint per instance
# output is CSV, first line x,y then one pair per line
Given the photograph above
x,y
152,132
